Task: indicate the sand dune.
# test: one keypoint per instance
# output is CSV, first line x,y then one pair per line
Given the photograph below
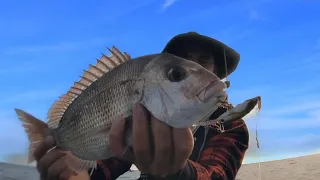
x,y
300,168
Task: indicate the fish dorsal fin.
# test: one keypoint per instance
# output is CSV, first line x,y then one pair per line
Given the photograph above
x,y
104,65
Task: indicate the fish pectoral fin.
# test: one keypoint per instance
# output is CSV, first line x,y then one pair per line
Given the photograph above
x,y
77,164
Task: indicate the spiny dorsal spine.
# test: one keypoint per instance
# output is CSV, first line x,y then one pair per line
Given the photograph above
x,y
104,65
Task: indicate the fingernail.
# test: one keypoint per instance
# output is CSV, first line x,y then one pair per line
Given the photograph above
x,y
137,106
123,121
137,109
120,118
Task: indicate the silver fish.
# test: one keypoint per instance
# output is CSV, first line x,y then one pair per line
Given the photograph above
x,y
249,107
176,91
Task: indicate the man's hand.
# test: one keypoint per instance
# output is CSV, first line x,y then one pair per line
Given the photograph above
x,y
51,165
158,149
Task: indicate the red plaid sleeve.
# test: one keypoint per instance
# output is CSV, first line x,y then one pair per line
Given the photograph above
x,y
110,169
223,154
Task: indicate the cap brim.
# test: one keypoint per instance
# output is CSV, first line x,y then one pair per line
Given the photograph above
x,y
184,42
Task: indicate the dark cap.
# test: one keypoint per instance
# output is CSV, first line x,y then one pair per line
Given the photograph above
x,y
180,44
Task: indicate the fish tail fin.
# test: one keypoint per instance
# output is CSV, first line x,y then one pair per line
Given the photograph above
x,y
35,130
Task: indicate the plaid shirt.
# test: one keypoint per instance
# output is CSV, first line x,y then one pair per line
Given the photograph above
x,y
216,156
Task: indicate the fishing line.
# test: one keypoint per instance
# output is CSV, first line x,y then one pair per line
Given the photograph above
x,y
217,125
258,146
220,125
226,67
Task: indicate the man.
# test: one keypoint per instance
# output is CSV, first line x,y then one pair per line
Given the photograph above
x,y
165,152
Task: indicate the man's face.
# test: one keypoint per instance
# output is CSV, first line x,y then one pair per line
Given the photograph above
x,y
204,59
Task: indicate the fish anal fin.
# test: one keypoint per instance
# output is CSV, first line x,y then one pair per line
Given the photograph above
x,y
103,66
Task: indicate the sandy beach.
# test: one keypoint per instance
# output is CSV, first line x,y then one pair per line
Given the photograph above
x,y
300,168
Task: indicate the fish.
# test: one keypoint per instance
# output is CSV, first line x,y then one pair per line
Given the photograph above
x,y
177,91
244,110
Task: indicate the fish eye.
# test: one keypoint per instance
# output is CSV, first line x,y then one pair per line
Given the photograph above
x,y
176,74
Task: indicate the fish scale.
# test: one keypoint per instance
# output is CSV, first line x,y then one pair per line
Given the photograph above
x,y
80,120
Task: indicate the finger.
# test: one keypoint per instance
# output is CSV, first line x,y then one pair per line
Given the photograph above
x,y
128,156
183,143
116,137
67,174
164,149
48,159
56,168
81,175
141,138
43,147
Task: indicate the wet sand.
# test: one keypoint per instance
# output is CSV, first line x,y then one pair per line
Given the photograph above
x,y
300,168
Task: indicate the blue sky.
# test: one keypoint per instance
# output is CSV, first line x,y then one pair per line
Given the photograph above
x,y
44,46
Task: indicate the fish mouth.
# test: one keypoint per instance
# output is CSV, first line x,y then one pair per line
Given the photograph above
x,y
213,89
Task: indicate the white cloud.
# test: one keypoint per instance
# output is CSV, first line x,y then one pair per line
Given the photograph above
x,y
12,135
13,139
282,134
295,107
15,70
64,46
61,46
317,46
254,15
286,122
168,3
20,66
234,8
30,96
279,145
288,119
